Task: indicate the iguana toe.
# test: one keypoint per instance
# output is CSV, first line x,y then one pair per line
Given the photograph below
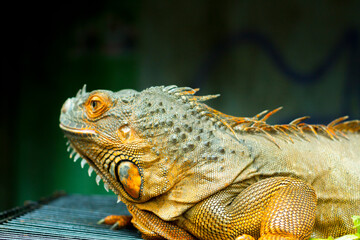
x,y
117,221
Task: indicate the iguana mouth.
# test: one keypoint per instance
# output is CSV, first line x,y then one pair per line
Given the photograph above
x,y
78,154
130,181
77,130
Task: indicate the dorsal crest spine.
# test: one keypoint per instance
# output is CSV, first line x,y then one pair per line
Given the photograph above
x,y
334,130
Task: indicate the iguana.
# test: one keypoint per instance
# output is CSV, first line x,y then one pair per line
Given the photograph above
x,y
187,171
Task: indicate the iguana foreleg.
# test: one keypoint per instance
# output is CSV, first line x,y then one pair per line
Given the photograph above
x,y
152,227
274,208
290,213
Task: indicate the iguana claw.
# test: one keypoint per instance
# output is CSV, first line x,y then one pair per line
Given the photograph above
x,y
115,226
101,221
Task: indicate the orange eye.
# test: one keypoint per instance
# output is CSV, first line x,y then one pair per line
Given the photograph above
x,y
96,105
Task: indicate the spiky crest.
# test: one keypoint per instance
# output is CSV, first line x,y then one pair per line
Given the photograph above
x,y
337,128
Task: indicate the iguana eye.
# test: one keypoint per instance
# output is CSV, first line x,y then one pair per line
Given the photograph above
x,y
96,105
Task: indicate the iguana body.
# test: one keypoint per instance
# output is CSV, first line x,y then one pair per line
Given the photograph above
x,y
187,171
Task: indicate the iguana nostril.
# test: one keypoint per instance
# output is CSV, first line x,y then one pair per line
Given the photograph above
x,y
66,106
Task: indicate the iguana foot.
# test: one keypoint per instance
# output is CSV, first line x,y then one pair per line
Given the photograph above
x,y
245,237
117,221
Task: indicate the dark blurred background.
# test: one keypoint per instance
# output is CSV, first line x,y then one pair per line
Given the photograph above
x,y
302,55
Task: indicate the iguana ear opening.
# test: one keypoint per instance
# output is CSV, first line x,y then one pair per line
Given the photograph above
x,y
127,134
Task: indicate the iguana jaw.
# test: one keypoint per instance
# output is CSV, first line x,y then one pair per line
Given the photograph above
x,y
109,183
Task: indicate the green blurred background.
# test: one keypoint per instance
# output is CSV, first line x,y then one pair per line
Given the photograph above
x,y
303,55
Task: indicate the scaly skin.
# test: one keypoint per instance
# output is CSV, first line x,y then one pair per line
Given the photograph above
x,y
187,171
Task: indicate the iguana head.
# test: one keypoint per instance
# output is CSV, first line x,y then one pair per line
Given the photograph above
x,y
161,143
98,129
